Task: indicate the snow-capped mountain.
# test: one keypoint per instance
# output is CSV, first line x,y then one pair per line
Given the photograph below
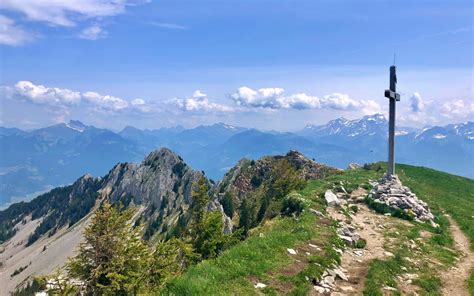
x,y
58,154
461,130
370,125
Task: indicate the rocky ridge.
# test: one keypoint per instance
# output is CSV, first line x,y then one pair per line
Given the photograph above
x,y
247,175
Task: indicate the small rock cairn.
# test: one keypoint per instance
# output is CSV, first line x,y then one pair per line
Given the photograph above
x,y
390,191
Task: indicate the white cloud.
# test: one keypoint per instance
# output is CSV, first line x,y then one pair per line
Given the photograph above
x,y
63,98
458,109
274,98
106,102
61,13
93,33
199,95
11,34
39,94
339,101
301,101
138,102
65,13
417,103
372,107
199,102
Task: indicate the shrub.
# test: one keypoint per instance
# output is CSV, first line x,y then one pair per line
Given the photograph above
x,y
293,204
354,208
360,243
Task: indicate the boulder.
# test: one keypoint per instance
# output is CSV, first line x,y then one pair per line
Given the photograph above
x,y
331,198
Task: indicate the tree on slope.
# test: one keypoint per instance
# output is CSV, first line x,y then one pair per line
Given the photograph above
x,y
113,258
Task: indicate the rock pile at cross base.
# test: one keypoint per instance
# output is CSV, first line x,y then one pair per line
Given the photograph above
x,y
390,191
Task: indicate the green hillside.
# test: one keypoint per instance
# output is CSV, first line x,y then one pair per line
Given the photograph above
x,y
263,257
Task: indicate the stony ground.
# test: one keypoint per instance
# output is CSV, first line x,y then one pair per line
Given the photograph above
x,y
425,264
356,262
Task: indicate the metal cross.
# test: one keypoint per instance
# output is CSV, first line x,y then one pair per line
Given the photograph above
x,y
393,96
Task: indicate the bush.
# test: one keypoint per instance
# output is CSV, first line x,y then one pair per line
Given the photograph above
x,y
360,243
293,204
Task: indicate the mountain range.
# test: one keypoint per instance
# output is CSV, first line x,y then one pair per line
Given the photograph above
x,y
35,161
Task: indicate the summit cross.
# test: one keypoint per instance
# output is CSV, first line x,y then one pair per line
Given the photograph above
x,y
393,96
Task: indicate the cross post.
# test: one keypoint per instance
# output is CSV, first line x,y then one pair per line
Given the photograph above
x,y
393,96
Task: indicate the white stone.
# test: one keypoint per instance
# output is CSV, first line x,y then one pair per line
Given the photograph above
x,y
320,289
341,275
260,286
388,288
331,198
291,251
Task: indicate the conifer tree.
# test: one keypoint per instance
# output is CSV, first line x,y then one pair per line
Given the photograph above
x,y
228,204
200,199
169,260
113,258
245,217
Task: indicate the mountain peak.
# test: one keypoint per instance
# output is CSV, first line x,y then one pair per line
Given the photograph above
x,y
375,117
162,153
76,125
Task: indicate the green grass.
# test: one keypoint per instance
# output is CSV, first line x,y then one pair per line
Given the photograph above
x,y
441,190
382,273
262,257
258,257
229,274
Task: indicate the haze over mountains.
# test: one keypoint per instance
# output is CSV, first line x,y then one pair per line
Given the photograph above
x,y
33,161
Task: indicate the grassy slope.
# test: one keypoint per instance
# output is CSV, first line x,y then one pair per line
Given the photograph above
x,y
262,256
257,257
441,190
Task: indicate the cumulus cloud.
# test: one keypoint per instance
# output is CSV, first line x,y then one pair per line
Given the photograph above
x,y
272,98
42,95
275,98
12,34
339,101
416,103
138,102
93,33
104,102
458,109
63,98
199,102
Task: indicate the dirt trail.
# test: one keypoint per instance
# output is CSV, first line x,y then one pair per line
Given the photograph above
x,y
454,279
354,261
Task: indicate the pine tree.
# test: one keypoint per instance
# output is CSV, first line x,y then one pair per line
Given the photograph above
x,y
113,258
228,204
245,217
169,260
263,210
200,199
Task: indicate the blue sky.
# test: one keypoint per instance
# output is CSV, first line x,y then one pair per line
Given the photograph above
x,y
267,64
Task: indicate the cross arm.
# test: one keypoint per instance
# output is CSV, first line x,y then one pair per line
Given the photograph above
x,y
392,95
